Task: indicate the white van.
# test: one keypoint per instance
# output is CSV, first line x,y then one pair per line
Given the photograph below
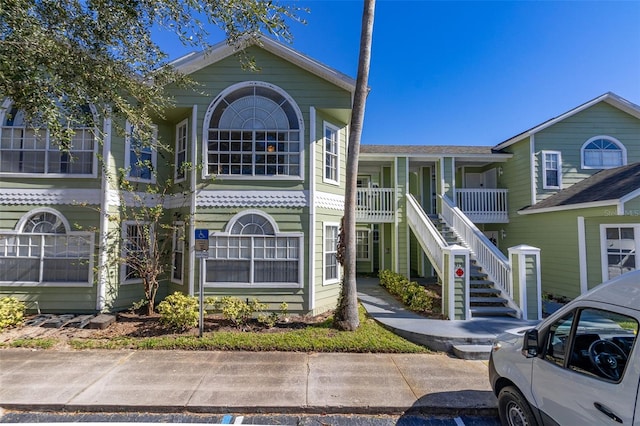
x,y
580,366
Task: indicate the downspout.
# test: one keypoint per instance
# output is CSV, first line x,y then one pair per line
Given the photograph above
x,y
312,211
192,197
582,255
404,209
103,270
532,151
396,261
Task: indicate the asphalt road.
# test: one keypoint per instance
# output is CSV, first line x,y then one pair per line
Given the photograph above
x,y
248,419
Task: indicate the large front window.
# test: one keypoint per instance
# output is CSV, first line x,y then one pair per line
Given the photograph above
x,y
24,149
43,251
251,252
254,131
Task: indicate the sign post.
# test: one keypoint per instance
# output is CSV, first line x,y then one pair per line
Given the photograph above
x,y
202,252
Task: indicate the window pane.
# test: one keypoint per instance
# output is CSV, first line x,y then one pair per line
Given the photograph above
x,y
276,271
228,271
558,340
602,344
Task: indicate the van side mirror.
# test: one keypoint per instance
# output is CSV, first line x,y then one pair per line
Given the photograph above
x,y
530,343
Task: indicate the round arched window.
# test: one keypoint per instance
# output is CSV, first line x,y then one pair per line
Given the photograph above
x,y
254,131
603,152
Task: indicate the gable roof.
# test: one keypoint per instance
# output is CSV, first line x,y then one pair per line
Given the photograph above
x,y
609,97
195,61
603,188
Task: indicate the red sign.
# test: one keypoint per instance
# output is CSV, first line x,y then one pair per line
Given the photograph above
x,y
459,272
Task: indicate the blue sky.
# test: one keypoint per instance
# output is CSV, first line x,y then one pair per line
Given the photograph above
x,y
475,72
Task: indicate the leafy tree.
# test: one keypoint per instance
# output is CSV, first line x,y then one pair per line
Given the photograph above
x,y
58,54
346,317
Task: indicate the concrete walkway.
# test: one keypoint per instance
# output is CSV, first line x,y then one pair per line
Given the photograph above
x,y
252,382
242,382
466,339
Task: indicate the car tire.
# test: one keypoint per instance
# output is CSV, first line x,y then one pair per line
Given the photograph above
x,y
513,408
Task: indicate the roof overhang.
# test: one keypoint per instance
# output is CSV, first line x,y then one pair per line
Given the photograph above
x,y
196,61
610,98
606,203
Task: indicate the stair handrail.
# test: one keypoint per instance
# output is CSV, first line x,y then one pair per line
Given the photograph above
x,y
494,263
428,236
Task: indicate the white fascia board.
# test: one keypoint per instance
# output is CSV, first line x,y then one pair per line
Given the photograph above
x,y
630,196
193,62
606,203
492,158
610,98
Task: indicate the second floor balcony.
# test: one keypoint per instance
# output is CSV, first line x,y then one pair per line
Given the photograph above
x,y
480,205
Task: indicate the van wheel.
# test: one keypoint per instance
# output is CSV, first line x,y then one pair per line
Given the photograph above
x,y
514,409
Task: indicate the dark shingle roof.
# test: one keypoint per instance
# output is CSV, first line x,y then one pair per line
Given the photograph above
x,y
611,184
425,149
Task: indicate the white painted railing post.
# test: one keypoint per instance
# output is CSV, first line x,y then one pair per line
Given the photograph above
x,y
455,283
525,279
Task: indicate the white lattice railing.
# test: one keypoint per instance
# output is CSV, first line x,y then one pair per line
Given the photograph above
x,y
375,205
483,205
426,233
493,262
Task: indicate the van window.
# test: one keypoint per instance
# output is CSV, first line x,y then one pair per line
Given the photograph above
x,y
558,340
602,344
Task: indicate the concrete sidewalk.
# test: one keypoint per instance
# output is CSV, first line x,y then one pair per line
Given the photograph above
x,y
243,382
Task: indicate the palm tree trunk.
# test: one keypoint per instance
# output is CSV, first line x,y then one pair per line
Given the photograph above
x,y
346,317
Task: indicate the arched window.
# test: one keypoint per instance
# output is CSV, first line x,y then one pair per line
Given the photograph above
x,y
252,252
254,131
25,149
603,152
43,251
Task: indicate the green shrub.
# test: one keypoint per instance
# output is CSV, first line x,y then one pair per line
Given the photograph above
x,y
179,311
412,294
11,312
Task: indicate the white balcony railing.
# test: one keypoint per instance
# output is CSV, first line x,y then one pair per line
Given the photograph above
x,y
375,205
483,205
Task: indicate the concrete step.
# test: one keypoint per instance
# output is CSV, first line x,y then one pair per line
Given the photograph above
x,y
487,311
495,300
477,352
476,282
484,290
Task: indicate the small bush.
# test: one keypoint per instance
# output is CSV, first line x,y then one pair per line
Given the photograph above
x,y
179,311
412,294
11,312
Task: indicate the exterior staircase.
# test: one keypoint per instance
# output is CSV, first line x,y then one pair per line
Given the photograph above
x,y
484,298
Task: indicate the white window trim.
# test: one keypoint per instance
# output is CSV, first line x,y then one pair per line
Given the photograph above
x,y
154,156
175,235
18,231
205,133
325,280
327,126
544,170
623,149
276,233
184,123
369,233
6,106
604,261
123,252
